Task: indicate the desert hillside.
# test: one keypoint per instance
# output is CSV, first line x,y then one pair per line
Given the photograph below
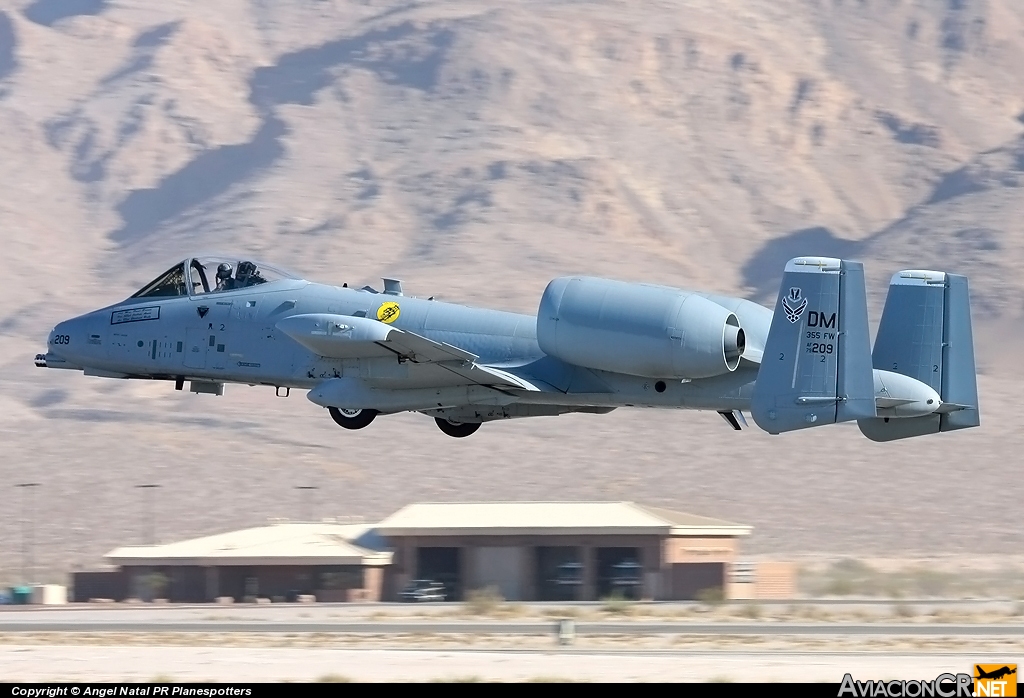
x,y
475,150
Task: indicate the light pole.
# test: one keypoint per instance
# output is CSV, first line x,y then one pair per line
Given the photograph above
x,y
150,538
306,488
27,549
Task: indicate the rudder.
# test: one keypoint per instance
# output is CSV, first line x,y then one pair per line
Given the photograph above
x,y
960,373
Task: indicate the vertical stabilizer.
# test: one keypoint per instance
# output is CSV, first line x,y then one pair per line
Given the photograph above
x,y
816,367
925,333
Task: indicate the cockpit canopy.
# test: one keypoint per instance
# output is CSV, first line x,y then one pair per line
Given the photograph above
x,y
200,275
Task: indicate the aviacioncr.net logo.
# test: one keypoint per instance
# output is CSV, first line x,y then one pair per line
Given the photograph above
x,y
995,680
942,686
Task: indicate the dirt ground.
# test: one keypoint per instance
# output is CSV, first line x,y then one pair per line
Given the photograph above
x,y
475,659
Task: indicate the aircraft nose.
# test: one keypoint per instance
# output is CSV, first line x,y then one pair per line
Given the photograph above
x,y
67,336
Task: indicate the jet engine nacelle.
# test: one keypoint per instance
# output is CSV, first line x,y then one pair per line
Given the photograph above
x,y
637,329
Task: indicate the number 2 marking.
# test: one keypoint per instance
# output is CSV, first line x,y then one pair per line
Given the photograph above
x,y
781,356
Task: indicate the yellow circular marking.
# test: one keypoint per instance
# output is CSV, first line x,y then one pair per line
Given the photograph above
x,y
388,312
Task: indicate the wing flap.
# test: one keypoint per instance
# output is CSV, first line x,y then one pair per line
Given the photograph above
x,y
419,349
488,375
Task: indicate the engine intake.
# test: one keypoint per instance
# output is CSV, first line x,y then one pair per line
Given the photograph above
x,y
638,329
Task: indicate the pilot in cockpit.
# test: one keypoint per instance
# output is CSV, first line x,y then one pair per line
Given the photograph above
x,y
224,280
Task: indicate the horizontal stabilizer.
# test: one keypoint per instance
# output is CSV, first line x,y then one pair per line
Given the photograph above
x,y
947,407
890,402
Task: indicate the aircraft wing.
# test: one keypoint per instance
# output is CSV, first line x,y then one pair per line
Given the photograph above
x,y
346,337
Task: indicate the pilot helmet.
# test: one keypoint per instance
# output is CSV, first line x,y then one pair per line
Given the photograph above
x,y
224,271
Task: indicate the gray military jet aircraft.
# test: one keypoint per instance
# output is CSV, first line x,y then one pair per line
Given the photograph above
x,y
595,345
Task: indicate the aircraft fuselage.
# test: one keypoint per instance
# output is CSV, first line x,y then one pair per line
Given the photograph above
x,y
231,337
595,345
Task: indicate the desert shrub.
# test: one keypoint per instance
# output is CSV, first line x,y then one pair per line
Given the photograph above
x,y
484,601
617,604
902,610
752,611
933,583
566,612
712,596
839,586
851,567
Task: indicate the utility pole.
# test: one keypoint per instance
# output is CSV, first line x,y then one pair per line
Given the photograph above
x,y
306,508
27,548
150,538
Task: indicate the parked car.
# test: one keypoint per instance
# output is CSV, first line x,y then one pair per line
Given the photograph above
x,y
569,574
628,575
424,590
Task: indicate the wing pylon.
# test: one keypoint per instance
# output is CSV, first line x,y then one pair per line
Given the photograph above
x,y
347,337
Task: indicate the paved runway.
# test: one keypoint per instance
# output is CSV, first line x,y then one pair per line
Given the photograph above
x,y
513,628
405,620
226,664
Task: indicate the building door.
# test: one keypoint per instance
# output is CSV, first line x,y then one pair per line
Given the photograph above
x,y
619,573
441,565
690,579
559,574
500,567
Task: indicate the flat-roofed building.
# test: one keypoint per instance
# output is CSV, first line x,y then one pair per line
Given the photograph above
x,y
529,551
560,550
334,562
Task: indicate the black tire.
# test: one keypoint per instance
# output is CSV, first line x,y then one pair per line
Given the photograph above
x,y
456,429
354,419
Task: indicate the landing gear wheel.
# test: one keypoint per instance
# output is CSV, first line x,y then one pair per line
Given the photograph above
x,y
352,419
456,429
